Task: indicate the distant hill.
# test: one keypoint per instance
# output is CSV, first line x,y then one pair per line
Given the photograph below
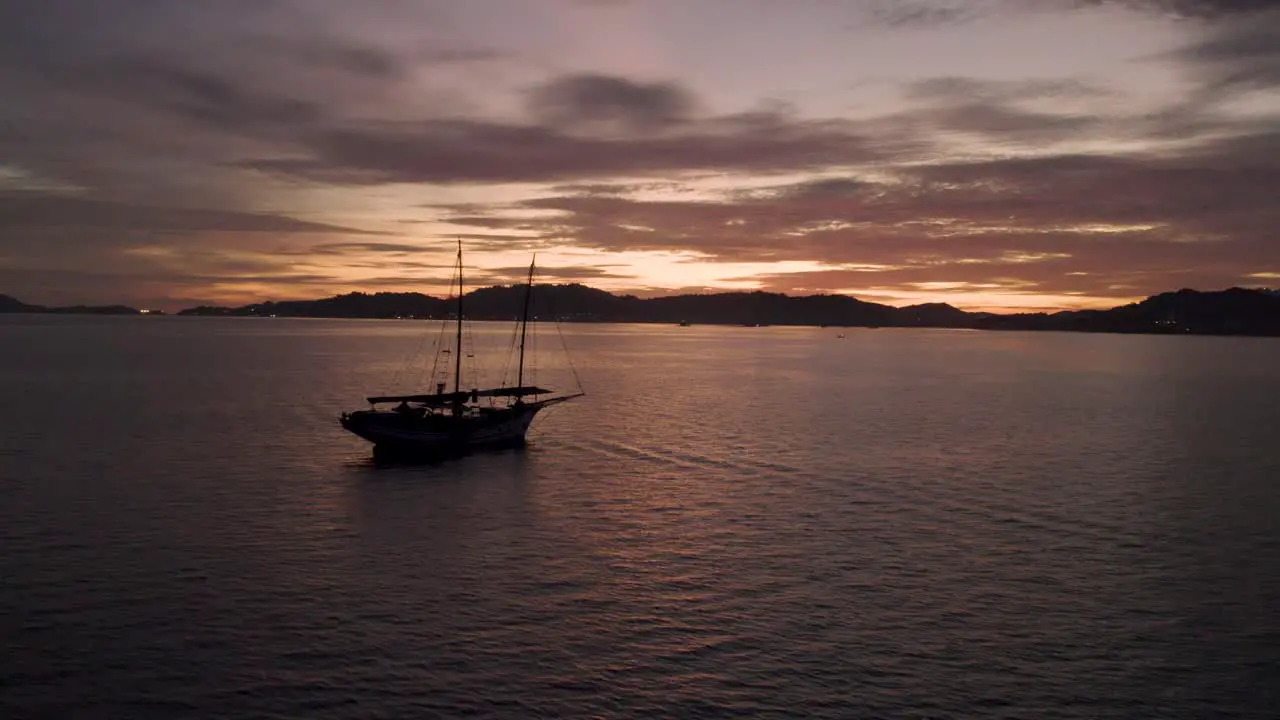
x,y
13,305
353,305
936,315
1236,311
577,302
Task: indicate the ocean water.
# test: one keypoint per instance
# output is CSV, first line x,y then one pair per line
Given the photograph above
x,y
734,522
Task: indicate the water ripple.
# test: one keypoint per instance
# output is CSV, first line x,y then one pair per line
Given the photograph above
x,y
735,523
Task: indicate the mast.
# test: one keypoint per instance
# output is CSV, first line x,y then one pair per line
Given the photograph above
x,y
457,352
524,321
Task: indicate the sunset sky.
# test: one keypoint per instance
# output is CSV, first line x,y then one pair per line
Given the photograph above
x,y
992,154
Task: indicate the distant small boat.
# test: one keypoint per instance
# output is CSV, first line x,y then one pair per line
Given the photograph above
x,y
685,323
455,423
841,336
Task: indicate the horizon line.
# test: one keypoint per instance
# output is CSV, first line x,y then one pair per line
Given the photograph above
x,y
1120,302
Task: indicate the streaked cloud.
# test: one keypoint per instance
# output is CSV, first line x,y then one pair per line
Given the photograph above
x,y
230,150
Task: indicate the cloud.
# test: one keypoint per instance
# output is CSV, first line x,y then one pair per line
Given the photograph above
x,y
202,97
1238,55
1202,9
1036,112
21,211
1009,124
1115,226
618,188
928,14
953,89
70,249
151,100
148,136
942,12
477,151
365,247
63,286
489,221
563,273
601,101
828,187
913,13
369,62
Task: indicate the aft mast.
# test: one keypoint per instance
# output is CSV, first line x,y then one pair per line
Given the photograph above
x,y
457,352
524,322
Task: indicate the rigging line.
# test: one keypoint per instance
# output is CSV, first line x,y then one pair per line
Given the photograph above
x,y
508,364
568,358
511,349
444,326
531,341
417,353
473,367
457,354
411,359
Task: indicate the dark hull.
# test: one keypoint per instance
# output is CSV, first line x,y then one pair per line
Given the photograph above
x,y
443,435
395,434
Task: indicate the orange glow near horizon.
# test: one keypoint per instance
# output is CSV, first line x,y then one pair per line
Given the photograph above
x,y
713,278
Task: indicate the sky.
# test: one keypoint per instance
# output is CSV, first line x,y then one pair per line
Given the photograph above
x,y
993,154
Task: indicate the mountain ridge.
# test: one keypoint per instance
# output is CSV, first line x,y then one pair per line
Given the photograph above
x,y
1233,311
10,304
